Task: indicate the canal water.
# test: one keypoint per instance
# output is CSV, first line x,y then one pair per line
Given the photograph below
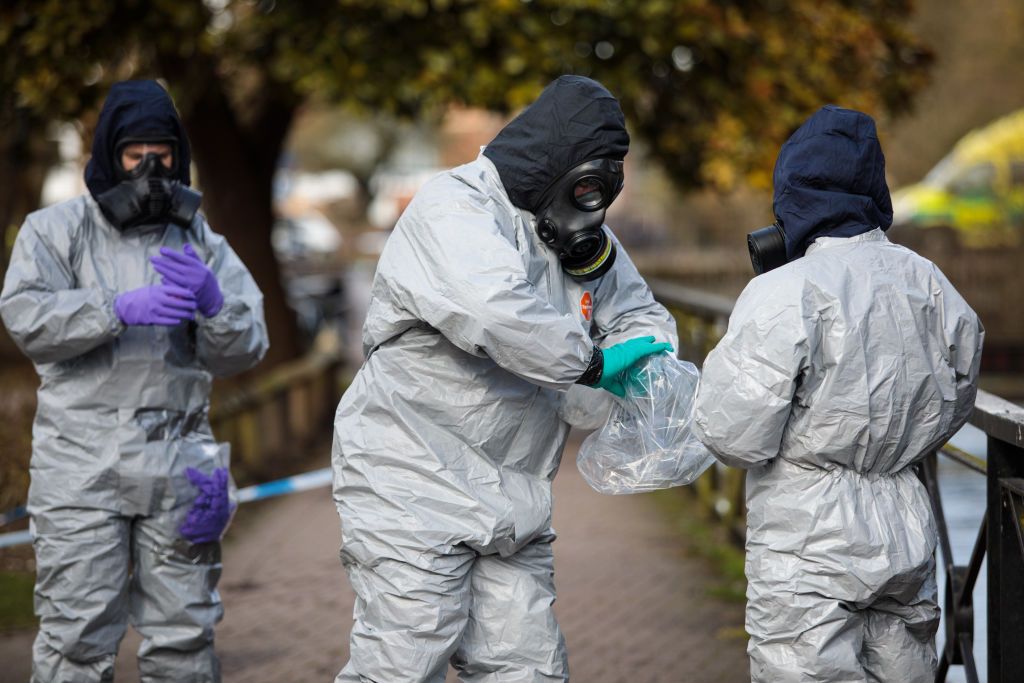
x,y
963,501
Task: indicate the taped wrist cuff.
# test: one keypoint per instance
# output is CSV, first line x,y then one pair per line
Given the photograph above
x,y
592,375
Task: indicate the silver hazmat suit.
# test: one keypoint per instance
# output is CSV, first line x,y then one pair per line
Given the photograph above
x,y
447,441
122,412
838,372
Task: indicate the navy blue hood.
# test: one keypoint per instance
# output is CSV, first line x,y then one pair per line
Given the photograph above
x,y
134,109
830,180
575,119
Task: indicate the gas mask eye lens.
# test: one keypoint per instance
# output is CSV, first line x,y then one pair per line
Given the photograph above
x,y
588,193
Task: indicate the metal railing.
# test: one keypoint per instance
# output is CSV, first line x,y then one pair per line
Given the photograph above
x,y
278,417
999,537
702,319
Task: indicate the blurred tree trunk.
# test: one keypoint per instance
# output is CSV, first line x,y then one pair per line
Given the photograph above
x,y
25,157
236,152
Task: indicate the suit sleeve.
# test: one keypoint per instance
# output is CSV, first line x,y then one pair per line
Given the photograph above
x,y
749,379
235,339
624,306
453,267
964,339
46,314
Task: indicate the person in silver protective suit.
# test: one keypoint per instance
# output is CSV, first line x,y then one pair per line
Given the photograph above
x,y
128,303
500,294
841,368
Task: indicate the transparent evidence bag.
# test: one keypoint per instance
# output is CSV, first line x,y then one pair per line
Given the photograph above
x,y
647,442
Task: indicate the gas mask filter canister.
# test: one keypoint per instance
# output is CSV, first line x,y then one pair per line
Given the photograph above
x,y
767,248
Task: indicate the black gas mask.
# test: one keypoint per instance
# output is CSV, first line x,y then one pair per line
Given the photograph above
x,y
571,213
767,248
148,194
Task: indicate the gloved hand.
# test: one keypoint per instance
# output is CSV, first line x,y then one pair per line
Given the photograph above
x,y
211,510
155,305
188,270
618,359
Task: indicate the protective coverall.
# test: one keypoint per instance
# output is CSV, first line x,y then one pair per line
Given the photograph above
x,y
447,441
839,371
122,412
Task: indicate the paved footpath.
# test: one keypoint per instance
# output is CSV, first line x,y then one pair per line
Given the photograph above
x,y
633,605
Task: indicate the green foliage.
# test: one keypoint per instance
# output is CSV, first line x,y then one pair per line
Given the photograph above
x,y
16,600
52,63
713,87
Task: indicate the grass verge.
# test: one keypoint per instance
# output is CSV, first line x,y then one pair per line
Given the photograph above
x,y
16,601
706,540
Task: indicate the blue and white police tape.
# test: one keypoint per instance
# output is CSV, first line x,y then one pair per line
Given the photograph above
x,y
300,482
15,538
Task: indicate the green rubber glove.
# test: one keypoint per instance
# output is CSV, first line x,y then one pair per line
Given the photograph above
x,y
618,359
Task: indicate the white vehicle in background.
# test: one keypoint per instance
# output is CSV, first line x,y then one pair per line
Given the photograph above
x,y
307,246
308,236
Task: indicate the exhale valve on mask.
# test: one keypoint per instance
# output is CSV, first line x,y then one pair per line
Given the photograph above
x,y
571,213
148,195
767,248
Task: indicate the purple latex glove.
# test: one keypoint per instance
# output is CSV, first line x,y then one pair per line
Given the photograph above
x,y
211,510
188,270
155,305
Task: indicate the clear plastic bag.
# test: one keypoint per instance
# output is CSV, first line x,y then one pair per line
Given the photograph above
x,y
647,442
